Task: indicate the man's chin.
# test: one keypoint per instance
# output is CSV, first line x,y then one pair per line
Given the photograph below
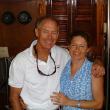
x,y
48,48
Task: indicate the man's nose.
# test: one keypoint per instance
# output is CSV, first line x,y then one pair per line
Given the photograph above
x,y
50,35
77,47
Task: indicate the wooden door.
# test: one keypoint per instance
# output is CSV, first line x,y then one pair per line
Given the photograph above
x,y
61,10
85,15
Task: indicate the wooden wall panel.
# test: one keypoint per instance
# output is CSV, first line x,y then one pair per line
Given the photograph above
x,y
87,15
100,26
17,36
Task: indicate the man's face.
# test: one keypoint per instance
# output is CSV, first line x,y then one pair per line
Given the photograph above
x,y
47,34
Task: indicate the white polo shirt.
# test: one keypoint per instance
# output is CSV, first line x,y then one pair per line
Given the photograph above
x,y
37,89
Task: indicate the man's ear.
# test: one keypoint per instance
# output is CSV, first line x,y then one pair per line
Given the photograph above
x,y
36,32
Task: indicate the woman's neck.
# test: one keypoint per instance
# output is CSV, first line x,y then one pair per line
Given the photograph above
x,y
76,65
76,62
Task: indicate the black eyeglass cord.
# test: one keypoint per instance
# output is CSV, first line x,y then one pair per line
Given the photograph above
x,y
39,71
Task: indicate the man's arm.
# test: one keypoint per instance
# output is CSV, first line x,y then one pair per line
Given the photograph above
x,y
14,98
98,66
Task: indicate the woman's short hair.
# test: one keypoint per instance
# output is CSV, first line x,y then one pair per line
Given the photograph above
x,y
83,34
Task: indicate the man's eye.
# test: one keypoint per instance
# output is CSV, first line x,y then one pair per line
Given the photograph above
x,y
73,45
45,31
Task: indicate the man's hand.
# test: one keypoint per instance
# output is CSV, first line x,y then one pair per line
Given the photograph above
x,y
98,69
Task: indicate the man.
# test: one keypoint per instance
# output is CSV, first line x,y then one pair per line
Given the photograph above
x,y
34,73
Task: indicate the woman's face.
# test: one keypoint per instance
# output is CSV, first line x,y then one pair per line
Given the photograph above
x,y
78,48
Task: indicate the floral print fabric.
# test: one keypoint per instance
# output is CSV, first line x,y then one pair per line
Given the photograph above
x,y
79,87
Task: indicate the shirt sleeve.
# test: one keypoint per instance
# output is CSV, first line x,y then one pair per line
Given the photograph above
x,y
16,74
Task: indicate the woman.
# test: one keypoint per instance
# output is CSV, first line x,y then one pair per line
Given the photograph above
x,y
80,90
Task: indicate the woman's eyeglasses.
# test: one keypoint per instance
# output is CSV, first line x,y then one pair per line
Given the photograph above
x,y
39,71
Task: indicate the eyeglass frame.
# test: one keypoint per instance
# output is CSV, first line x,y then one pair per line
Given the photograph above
x,y
46,31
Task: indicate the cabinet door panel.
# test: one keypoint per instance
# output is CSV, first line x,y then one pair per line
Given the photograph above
x,y
84,15
60,10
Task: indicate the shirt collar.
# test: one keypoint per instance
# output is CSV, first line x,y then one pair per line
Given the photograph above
x,y
53,52
31,48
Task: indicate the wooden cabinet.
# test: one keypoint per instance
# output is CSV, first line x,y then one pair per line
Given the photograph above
x,y
85,15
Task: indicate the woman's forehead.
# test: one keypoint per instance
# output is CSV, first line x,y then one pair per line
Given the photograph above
x,y
78,38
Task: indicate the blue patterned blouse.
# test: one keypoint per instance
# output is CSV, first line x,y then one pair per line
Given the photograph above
x,y
80,86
